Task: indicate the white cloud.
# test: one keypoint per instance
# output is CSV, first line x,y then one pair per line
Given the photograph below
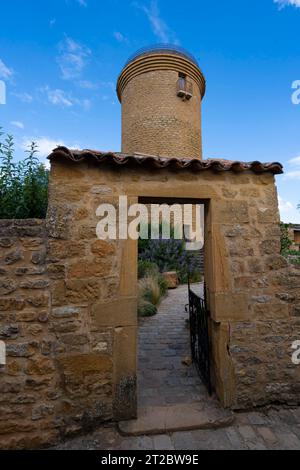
x,y
295,161
285,206
73,58
82,3
288,211
110,85
158,25
88,85
58,97
17,124
285,3
24,97
52,22
45,145
63,99
120,37
295,175
5,72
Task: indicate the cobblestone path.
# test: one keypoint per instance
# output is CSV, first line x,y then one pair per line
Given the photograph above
x,y
163,343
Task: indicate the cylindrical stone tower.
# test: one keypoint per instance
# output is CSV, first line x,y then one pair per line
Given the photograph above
x,y
161,89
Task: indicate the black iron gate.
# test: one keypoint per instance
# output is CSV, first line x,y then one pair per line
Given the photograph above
x,y
199,336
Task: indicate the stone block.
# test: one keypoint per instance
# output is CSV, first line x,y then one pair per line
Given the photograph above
x,y
271,310
82,364
125,370
98,267
103,248
83,290
13,257
7,286
231,212
38,257
67,312
230,307
121,312
171,279
22,349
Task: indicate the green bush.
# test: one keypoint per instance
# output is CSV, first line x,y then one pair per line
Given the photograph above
x,y
146,309
23,184
146,268
171,255
151,288
292,252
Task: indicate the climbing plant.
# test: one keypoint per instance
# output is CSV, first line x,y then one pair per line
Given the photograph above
x,y
286,242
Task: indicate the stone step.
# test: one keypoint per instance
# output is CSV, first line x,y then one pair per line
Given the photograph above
x,y
174,418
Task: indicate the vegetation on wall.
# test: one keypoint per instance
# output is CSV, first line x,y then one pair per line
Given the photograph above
x,y
292,256
23,184
286,242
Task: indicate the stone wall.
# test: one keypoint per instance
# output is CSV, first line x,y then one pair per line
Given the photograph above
x,y
68,300
28,382
260,345
58,379
252,292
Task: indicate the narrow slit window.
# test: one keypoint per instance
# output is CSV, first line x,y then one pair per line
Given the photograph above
x,y
184,87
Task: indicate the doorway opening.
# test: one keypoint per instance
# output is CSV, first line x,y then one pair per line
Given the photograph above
x,y
173,361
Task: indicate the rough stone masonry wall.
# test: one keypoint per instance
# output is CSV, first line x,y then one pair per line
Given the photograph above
x,y
28,382
92,283
58,379
68,301
253,293
257,296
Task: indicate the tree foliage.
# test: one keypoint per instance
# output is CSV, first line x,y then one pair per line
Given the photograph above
x,y
23,184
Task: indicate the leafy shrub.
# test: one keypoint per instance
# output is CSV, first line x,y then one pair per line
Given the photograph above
x,y
146,309
293,256
23,184
149,290
146,268
170,255
293,252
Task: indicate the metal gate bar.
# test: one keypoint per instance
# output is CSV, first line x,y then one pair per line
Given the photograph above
x,y
200,337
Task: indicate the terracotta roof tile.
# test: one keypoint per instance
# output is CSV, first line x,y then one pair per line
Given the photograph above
x,y
217,165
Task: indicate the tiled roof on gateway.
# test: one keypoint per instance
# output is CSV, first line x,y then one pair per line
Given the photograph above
x,y
156,162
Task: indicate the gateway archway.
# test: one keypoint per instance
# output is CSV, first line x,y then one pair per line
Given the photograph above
x,y
240,205
173,349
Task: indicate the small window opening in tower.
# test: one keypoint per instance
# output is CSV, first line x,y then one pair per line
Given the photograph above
x,y
184,87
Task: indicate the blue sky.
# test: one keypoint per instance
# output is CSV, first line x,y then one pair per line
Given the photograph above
x,y
60,60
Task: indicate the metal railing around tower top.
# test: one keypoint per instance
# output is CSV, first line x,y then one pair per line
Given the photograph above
x,y
171,48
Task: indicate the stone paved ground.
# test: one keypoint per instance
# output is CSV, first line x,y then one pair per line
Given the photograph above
x,y
163,344
164,380
269,429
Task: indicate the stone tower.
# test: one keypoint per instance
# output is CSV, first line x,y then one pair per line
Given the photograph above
x,y
161,89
